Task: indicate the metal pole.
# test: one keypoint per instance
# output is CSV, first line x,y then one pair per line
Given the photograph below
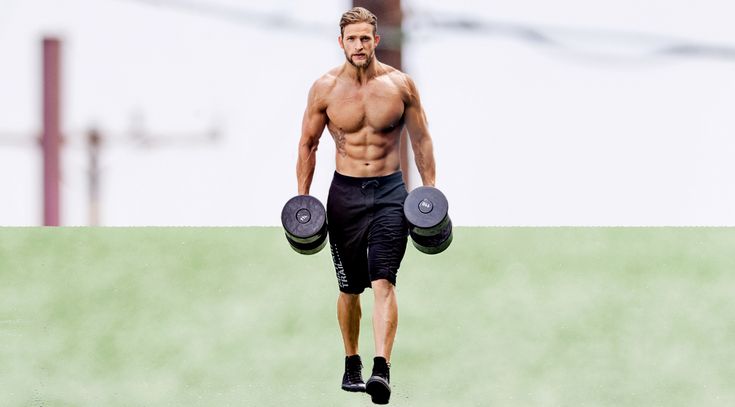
x,y
94,140
51,137
390,19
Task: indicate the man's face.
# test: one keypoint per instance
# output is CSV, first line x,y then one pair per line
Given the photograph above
x,y
359,44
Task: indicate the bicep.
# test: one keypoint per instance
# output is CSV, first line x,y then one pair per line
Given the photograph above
x,y
415,117
416,126
313,124
315,119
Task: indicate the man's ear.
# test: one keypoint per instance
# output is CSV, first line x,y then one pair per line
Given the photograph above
x,y
377,40
339,39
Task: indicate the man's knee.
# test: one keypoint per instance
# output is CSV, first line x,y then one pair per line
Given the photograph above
x,y
383,287
350,299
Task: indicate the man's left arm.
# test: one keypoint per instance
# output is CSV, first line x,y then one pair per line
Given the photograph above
x,y
418,132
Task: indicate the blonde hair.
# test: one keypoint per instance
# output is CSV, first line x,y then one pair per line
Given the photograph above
x,y
358,15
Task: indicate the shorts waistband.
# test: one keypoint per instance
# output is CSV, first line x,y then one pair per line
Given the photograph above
x,y
365,181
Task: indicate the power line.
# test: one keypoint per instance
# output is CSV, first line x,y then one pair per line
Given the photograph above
x,y
599,41
242,16
654,45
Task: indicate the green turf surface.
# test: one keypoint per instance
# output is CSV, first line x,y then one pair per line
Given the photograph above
x,y
233,317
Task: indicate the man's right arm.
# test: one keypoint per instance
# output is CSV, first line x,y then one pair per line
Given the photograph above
x,y
312,127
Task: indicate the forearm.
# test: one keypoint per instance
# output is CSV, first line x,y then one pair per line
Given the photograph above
x,y
424,157
305,165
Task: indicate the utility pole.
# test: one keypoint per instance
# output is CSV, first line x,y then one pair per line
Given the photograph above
x,y
51,140
139,136
390,19
51,135
94,139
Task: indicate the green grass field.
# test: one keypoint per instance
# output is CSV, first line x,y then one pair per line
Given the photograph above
x,y
233,317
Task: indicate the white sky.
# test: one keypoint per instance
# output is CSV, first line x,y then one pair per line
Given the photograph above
x,y
596,132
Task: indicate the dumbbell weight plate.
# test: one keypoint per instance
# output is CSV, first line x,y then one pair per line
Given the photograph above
x,y
426,209
434,244
304,219
309,248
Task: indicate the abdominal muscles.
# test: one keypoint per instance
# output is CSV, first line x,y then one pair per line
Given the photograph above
x,y
367,153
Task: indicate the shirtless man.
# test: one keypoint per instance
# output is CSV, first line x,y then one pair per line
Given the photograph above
x,y
365,105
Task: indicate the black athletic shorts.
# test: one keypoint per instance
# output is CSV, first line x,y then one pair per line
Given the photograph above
x,y
367,229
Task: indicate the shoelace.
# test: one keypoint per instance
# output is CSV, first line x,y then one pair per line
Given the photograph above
x,y
353,374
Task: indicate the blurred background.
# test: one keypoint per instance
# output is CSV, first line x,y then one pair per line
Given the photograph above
x,y
188,112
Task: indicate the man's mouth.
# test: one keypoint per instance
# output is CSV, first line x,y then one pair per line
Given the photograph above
x,y
360,56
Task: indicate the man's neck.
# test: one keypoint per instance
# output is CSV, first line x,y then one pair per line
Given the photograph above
x,y
362,75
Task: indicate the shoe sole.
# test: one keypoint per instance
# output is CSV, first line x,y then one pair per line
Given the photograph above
x,y
357,389
378,389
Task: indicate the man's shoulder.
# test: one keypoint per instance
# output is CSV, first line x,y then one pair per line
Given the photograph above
x,y
400,79
393,73
326,81
322,87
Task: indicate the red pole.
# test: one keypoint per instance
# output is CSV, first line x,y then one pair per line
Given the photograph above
x,y
50,140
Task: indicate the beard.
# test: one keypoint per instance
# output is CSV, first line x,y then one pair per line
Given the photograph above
x,y
362,64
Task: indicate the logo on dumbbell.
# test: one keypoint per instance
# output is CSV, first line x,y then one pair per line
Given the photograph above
x,y
425,206
303,215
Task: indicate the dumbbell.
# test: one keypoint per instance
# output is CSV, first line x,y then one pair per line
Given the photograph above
x,y
427,212
305,222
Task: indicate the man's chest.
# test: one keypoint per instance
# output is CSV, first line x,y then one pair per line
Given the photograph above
x,y
379,106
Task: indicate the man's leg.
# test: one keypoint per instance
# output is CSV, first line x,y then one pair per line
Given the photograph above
x,y
348,315
385,323
385,317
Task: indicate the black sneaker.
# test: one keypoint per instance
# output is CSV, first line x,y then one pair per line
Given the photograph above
x,y
352,379
378,386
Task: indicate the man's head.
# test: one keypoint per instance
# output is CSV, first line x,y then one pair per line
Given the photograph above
x,y
358,15
358,39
